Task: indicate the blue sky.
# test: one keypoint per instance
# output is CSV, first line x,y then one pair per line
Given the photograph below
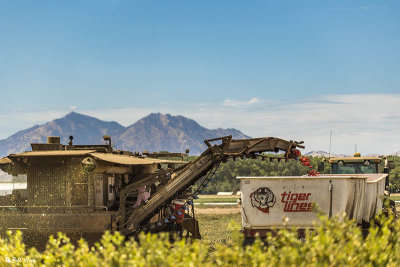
x,y
120,59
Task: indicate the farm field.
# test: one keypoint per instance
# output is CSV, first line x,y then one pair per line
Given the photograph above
x,y
214,221
216,199
395,197
219,247
215,229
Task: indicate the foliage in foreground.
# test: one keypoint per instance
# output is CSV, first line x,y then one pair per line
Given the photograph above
x,y
339,242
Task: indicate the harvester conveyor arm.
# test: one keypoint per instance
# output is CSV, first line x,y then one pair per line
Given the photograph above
x,y
214,155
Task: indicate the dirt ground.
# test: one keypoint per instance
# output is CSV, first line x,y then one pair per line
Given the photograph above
x,y
218,210
215,196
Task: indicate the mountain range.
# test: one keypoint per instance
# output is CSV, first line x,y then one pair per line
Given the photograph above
x,y
155,132
320,153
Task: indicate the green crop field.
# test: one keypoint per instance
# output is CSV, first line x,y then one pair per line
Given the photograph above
x,y
214,227
395,197
336,242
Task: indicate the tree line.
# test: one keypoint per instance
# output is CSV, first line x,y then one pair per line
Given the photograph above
x,y
225,179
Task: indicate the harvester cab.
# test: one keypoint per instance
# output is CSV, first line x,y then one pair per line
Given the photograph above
x,y
362,165
355,165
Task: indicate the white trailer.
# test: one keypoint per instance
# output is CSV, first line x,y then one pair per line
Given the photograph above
x,y
291,201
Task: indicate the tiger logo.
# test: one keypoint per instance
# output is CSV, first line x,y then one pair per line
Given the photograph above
x,y
263,199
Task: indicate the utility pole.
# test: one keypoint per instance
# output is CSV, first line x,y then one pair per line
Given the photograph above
x,y
330,144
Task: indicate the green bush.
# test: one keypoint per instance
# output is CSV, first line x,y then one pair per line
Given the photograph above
x,y
336,242
395,180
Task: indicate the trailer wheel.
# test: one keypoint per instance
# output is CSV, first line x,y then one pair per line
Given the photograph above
x,y
393,208
389,208
248,241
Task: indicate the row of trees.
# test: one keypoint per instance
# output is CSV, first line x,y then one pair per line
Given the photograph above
x,y
225,179
395,176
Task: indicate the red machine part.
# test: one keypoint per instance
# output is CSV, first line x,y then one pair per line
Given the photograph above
x,y
179,213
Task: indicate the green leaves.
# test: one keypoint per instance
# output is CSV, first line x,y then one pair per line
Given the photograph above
x,y
395,180
334,242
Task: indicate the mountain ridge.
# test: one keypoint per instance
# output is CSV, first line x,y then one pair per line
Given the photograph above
x,y
321,153
154,132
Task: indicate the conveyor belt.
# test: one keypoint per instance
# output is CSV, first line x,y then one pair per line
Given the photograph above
x,y
196,169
